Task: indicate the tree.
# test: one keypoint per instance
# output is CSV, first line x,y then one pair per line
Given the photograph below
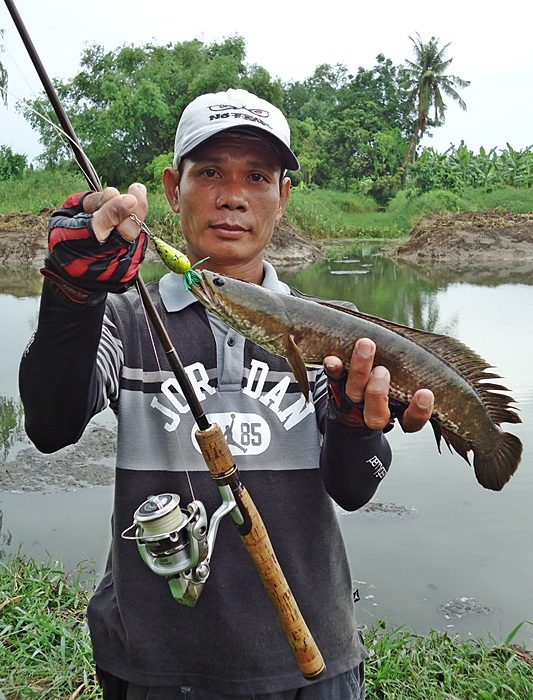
x,y
427,83
367,128
12,165
125,104
3,74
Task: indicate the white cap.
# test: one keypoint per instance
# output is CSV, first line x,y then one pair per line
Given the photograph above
x,y
213,113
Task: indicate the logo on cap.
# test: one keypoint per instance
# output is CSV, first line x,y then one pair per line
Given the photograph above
x,y
257,112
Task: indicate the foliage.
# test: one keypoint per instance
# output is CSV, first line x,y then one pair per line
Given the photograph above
x,y
318,212
3,74
46,654
11,422
45,651
459,167
12,164
406,665
366,127
409,206
350,132
125,104
427,82
36,190
329,214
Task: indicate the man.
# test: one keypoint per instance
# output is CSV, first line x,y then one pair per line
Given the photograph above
x,y
229,186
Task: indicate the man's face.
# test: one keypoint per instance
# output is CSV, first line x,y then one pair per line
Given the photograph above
x,y
229,199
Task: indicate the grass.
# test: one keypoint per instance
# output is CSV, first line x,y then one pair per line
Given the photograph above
x,y
319,213
45,650
406,665
327,214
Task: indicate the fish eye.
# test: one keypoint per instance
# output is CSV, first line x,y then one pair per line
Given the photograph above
x,y
218,282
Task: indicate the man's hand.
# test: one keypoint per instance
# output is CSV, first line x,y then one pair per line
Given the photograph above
x,y
370,387
111,210
94,247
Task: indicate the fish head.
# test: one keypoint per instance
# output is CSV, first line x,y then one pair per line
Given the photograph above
x,y
258,313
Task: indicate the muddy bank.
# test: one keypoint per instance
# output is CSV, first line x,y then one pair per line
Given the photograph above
x,y
23,242
90,462
493,247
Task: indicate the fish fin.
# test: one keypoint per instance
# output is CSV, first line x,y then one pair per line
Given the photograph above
x,y
398,408
452,440
494,469
297,364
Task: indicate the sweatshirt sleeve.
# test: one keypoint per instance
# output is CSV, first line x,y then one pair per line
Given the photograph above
x,y
353,462
57,375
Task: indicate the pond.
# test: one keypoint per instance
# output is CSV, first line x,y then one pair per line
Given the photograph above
x,y
434,549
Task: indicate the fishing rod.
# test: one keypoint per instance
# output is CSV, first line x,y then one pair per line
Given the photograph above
x,y
157,543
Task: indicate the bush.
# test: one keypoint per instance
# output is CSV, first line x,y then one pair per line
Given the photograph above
x,y
12,165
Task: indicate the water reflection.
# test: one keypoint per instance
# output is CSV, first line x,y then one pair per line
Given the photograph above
x,y
20,281
492,273
11,424
376,286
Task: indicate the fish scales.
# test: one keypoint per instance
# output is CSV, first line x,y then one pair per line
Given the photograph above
x,y
467,410
413,367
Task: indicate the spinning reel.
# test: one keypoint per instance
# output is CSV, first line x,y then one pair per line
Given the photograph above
x,y
178,543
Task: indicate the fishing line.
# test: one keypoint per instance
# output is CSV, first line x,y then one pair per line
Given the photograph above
x,y
20,72
165,524
180,448
61,132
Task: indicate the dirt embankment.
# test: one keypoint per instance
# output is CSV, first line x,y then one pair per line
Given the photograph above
x,y
493,246
23,242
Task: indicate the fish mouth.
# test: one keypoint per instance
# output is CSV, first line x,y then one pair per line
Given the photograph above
x,y
205,290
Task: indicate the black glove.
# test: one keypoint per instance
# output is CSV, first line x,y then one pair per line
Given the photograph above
x,y
83,268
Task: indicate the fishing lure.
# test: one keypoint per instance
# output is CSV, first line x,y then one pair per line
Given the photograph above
x,y
174,259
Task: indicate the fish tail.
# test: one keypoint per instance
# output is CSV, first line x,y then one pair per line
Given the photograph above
x,y
494,469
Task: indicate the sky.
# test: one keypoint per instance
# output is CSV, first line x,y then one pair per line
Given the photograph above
x,y
490,45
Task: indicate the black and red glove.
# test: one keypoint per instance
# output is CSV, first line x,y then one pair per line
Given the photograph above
x,y
83,268
340,408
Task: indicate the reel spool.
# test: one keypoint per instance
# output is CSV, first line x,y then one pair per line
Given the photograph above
x,y
178,543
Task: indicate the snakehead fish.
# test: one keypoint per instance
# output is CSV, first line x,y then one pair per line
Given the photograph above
x,y
468,409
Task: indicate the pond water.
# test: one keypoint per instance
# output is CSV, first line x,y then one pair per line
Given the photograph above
x,y
435,550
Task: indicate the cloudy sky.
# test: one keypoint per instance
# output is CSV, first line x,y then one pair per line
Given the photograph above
x,y
490,45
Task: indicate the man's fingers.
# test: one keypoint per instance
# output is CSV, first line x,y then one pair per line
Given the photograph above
x,y
333,367
128,228
419,411
93,201
112,214
360,368
376,411
114,211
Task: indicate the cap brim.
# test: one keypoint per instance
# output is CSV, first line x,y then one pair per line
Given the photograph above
x,y
288,159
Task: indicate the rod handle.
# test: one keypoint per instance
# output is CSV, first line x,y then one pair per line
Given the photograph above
x,y
257,542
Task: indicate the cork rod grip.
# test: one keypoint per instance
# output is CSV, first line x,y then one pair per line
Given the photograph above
x,y
257,542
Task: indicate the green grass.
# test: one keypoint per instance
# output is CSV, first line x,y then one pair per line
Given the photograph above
x,y
39,189
406,665
45,650
325,214
318,213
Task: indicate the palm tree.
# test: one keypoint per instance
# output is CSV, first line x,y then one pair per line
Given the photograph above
x,y
427,83
3,74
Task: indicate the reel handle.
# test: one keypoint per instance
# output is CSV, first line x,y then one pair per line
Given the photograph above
x,y
256,540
